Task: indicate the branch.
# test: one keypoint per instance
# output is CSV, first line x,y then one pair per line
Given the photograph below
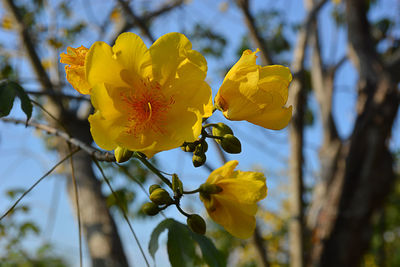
x,y
26,39
146,18
140,22
254,32
97,154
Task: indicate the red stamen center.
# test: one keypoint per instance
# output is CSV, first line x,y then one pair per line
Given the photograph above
x,y
147,108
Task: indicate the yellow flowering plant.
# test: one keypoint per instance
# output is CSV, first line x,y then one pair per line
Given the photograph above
x,y
231,197
148,100
255,93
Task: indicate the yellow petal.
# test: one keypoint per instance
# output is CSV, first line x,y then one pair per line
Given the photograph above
x,y
77,78
103,131
225,171
102,67
274,119
234,217
243,187
167,53
131,52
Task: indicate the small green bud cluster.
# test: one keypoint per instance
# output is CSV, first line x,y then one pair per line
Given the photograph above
x,y
158,197
227,140
199,149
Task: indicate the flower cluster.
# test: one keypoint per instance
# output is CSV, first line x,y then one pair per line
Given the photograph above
x,y
155,99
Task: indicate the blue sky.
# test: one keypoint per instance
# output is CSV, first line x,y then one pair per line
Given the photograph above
x,y
23,157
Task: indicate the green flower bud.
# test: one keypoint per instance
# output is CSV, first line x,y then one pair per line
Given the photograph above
x,y
221,129
199,160
160,197
149,208
201,148
210,188
122,154
231,144
196,224
153,187
188,147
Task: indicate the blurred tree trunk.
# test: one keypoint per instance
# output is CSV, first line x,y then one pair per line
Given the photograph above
x,y
357,173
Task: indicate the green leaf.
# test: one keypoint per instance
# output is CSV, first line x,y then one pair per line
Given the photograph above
x,y
180,245
161,227
8,92
210,253
7,95
26,104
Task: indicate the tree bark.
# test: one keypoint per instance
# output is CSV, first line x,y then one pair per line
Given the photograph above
x,y
363,174
104,244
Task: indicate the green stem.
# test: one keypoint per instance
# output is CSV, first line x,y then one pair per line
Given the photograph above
x,y
213,136
192,192
181,210
152,168
210,125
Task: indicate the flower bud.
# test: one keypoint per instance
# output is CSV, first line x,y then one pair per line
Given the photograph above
x,y
122,154
153,187
196,224
201,148
199,160
149,208
231,144
221,129
160,197
188,147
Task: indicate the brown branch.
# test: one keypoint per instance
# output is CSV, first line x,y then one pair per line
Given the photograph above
x,y
97,154
140,22
260,42
28,43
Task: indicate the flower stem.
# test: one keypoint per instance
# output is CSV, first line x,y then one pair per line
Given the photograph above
x,y
152,168
192,192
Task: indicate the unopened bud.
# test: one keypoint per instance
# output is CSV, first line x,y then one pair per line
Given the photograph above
x,y
196,224
188,147
160,197
221,129
231,144
122,154
199,160
201,148
153,187
149,208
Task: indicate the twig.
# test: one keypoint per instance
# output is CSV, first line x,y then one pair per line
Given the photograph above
x,y
137,20
122,209
97,154
78,209
255,33
37,182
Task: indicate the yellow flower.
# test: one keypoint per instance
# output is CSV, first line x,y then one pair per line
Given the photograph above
x,y
256,94
147,100
75,70
234,204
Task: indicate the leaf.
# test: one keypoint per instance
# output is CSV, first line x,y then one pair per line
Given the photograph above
x,y
210,253
7,95
26,104
8,92
180,245
153,244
